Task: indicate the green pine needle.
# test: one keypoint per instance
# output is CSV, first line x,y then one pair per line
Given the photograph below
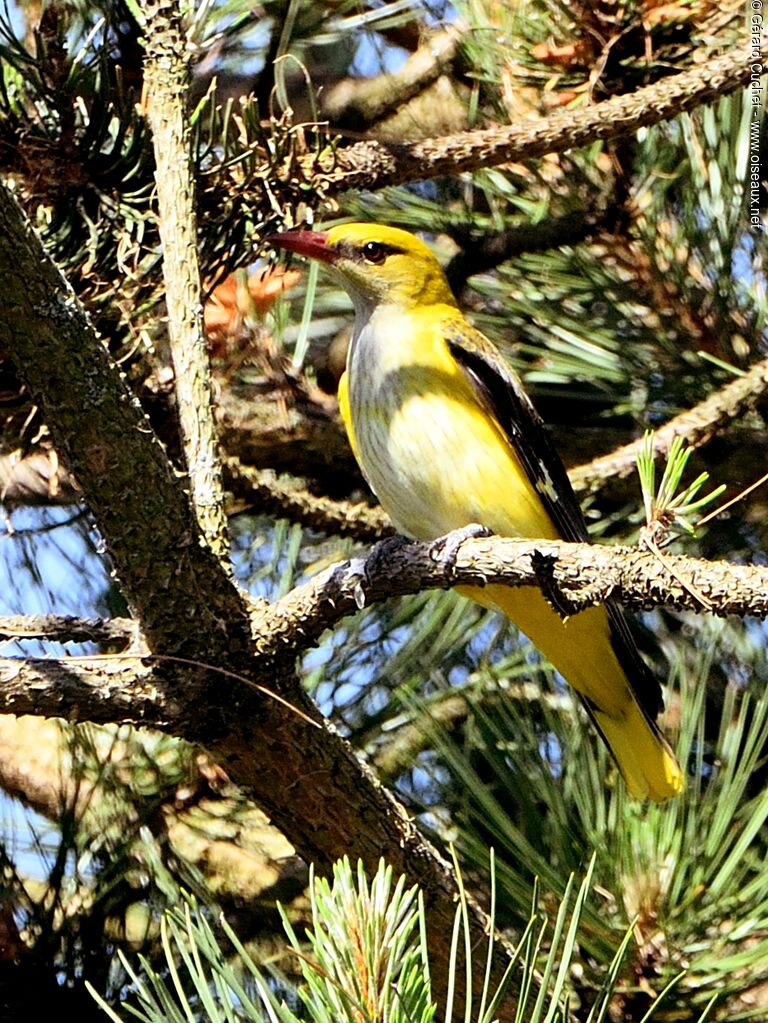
x,y
670,509
368,963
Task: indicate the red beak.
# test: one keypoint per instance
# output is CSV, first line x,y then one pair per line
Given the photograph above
x,y
313,244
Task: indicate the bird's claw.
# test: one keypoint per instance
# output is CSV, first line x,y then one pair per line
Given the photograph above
x,y
445,549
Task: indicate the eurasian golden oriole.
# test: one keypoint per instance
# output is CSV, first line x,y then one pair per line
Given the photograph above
x,y
446,437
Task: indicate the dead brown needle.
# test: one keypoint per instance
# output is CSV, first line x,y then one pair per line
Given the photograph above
x,y
647,539
197,664
733,500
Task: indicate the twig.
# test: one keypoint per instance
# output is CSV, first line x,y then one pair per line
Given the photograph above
x,y
260,490
701,599
491,250
356,103
734,500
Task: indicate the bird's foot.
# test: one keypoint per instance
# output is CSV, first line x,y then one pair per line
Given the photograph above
x,y
445,549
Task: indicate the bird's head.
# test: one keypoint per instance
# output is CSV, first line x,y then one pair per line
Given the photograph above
x,y
377,265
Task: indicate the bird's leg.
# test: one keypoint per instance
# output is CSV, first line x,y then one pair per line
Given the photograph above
x,y
445,549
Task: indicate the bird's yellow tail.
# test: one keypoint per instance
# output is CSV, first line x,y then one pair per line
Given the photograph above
x,y
643,756
581,648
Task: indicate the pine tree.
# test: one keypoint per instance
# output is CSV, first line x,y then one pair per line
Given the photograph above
x,y
587,174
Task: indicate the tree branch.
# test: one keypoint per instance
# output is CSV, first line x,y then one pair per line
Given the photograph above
x,y
578,575
261,491
71,629
105,439
105,690
167,77
376,164
697,426
306,778
355,103
491,249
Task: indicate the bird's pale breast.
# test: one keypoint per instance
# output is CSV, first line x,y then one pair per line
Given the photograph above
x,y
433,457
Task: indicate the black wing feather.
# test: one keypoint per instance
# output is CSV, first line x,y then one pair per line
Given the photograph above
x,y
500,392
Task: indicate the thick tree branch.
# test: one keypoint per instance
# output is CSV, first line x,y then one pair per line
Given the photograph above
x,y
375,164
579,575
303,775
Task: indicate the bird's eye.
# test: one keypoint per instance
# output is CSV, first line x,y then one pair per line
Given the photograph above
x,y
374,252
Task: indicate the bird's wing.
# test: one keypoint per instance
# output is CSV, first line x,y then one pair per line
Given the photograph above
x,y
501,394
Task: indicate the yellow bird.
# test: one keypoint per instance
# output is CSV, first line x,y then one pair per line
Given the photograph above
x,y
446,437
